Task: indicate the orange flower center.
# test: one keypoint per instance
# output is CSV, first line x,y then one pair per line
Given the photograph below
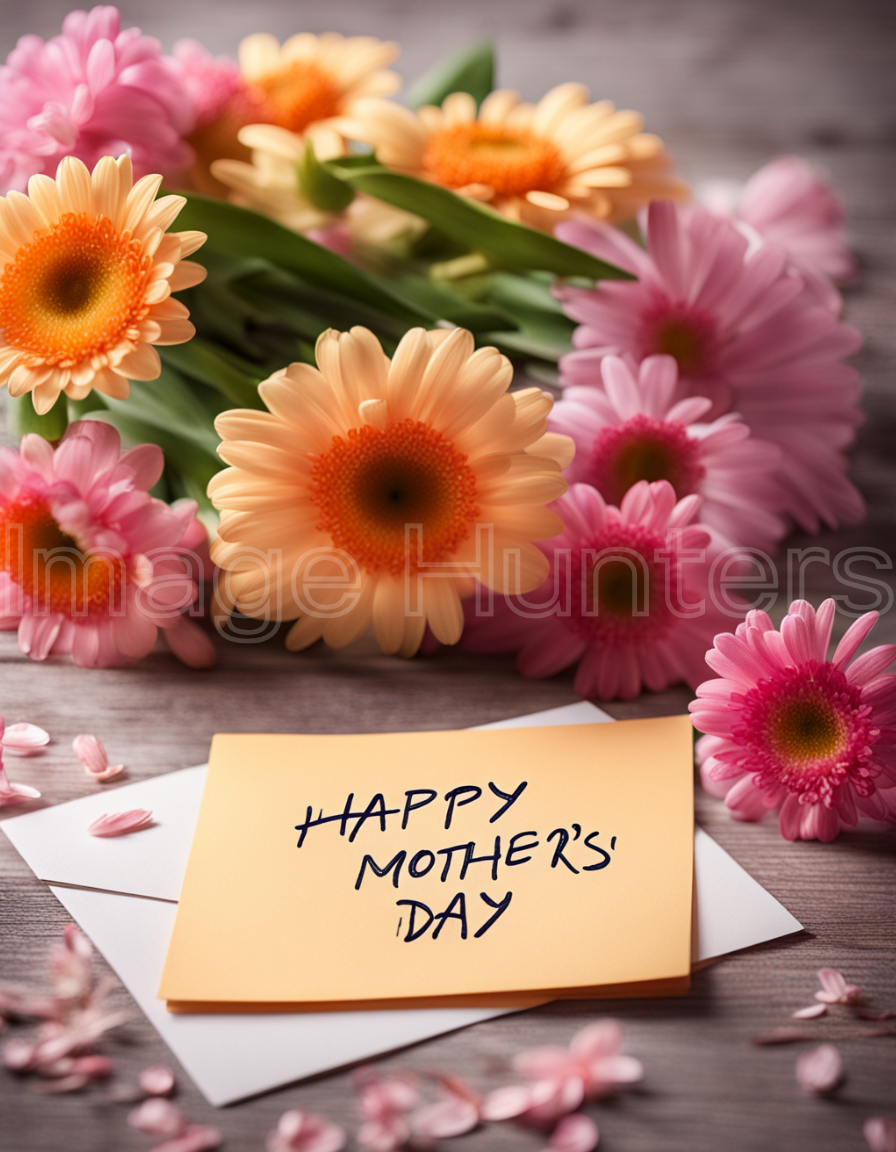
x,y
299,94
372,484
76,291
511,162
49,566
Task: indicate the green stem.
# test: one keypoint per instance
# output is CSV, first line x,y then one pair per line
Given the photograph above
x,y
21,418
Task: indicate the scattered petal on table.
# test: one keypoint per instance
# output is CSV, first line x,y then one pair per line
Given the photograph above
x,y
810,1013
18,1055
158,1117
445,1118
880,1133
24,739
92,755
820,1070
507,1103
197,1138
301,1132
574,1133
834,989
118,823
14,794
157,1080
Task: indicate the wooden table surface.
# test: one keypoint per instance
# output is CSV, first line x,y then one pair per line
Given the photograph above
x,y
729,84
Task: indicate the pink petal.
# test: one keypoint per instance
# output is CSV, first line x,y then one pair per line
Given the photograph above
x,y
820,1070
158,1117
119,823
157,1080
379,1135
809,1013
542,1063
302,1132
574,1133
197,1138
445,1118
24,739
14,794
18,1055
506,1103
835,990
604,1038
880,1133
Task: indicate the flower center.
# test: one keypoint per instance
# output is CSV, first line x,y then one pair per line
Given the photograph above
x,y
618,588
299,94
511,162
680,332
51,569
644,448
373,483
76,291
807,730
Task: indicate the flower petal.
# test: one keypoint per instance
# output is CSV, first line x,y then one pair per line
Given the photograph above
x,y
119,823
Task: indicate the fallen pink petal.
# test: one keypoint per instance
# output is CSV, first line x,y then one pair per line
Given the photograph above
x,y
880,1133
507,1103
158,1117
157,1080
24,739
18,1055
301,1132
574,1133
810,1012
384,1104
12,795
820,1070
120,823
834,989
446,1118
92,755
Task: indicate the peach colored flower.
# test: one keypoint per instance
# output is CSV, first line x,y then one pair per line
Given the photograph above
x,y
86,275
539,164
375,474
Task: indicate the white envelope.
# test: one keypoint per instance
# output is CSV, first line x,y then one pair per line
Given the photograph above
x,y
123,892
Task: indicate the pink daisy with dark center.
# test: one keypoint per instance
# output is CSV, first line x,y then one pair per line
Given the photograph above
x,y
630,596
787,729
745,331
631,428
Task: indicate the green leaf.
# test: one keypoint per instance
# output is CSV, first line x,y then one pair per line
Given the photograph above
x,y
319,186
472,70
439,297
168,403
233,377
476,225
21,418
240,232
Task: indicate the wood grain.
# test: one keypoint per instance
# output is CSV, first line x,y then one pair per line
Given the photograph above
x,y
729,84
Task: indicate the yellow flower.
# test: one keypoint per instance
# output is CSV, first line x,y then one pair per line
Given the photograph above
x,y
538,164
269,185
313,79
400,482
86,275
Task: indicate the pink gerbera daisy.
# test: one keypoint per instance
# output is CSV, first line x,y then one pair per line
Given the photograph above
x,y
90,92
788,203
629,596
787,729
745,332
89,561
632,429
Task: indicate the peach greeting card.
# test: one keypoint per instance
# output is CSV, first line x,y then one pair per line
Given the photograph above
x,y
430,866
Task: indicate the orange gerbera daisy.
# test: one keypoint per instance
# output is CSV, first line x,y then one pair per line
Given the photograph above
x,y
86,276
538,163
382,490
